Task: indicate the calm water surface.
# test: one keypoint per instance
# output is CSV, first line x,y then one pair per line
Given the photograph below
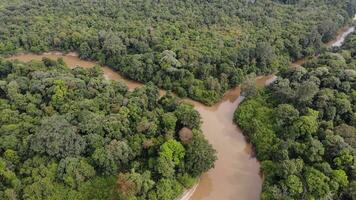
x,y
236,172
236,175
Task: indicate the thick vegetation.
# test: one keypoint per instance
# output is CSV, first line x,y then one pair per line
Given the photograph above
x,y
303,129
71,134
192,47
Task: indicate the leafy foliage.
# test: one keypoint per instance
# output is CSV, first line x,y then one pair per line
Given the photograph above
x,y
194,48
303,129
67,133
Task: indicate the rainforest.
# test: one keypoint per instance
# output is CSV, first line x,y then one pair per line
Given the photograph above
x,y
303,128
136,99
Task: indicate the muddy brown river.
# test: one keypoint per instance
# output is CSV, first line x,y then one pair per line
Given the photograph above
x,y
236,174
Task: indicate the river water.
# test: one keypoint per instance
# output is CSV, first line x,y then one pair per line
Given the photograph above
x,y
72,60
236,174
342,34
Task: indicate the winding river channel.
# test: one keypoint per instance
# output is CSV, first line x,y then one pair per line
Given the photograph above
x,y
237,172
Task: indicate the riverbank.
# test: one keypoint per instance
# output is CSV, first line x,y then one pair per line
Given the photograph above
x,y
342,34
188,193
337,42
72,60
280,121
237,171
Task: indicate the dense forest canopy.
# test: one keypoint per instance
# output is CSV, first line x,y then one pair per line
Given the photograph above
x,y
71,134
192,47
303,128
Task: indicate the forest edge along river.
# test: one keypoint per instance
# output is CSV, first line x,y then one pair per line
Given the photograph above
x,y
237,172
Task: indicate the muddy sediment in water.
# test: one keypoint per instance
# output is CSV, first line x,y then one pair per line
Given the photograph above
x,y
237,172
72,60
